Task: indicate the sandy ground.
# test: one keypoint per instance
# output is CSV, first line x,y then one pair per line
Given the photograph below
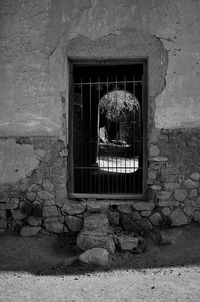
x,y
31,269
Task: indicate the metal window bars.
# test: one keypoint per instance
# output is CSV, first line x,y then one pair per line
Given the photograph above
x,y
107,136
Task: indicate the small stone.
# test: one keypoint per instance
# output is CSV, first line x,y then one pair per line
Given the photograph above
x,y
151,174
189,211
195,176
49,202
156,165
62,219
180,194
74,224
113,218
54,227
17,214
127,243
63,153
34,221
50,211
163,195
59,179
128,224
158,159
135,216
145,213
96,256
166,211
3,223
189,203
143,206
197,216
30,196
170,178
156,219
154,150
73,207
190,184
177,218
44,195
146,225
125,208
97,207
170,186
193,193
27,231
34,188
47,185
156,187
2,214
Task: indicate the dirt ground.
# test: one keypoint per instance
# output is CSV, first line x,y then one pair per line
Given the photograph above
x,y
32,269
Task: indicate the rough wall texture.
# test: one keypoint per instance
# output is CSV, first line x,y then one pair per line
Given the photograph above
x,y
36,39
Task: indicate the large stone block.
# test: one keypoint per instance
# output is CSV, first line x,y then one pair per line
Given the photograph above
x,y
180,194
97,256
73,207
50,211
178,218
97,223
74,223
89,240
143,206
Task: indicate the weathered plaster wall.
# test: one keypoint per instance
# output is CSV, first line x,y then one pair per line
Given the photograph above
x,y
36,39
33,64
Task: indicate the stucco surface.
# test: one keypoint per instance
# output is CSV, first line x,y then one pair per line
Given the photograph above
x,y
17,161
34,36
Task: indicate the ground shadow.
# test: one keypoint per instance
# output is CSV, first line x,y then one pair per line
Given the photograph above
x,y
50,254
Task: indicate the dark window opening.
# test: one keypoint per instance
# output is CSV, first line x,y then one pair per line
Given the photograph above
x,y
107,137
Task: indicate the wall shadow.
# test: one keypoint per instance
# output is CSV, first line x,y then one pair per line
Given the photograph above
x,y
49,254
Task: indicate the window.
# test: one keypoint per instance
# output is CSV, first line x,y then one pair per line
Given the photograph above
x,y
107,129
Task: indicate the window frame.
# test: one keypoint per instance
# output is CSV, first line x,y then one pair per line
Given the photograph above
x,y
87,62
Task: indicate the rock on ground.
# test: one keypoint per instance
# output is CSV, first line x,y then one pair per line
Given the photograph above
x,y
97,256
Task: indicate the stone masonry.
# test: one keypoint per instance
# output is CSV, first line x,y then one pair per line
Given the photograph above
x,y
37,39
